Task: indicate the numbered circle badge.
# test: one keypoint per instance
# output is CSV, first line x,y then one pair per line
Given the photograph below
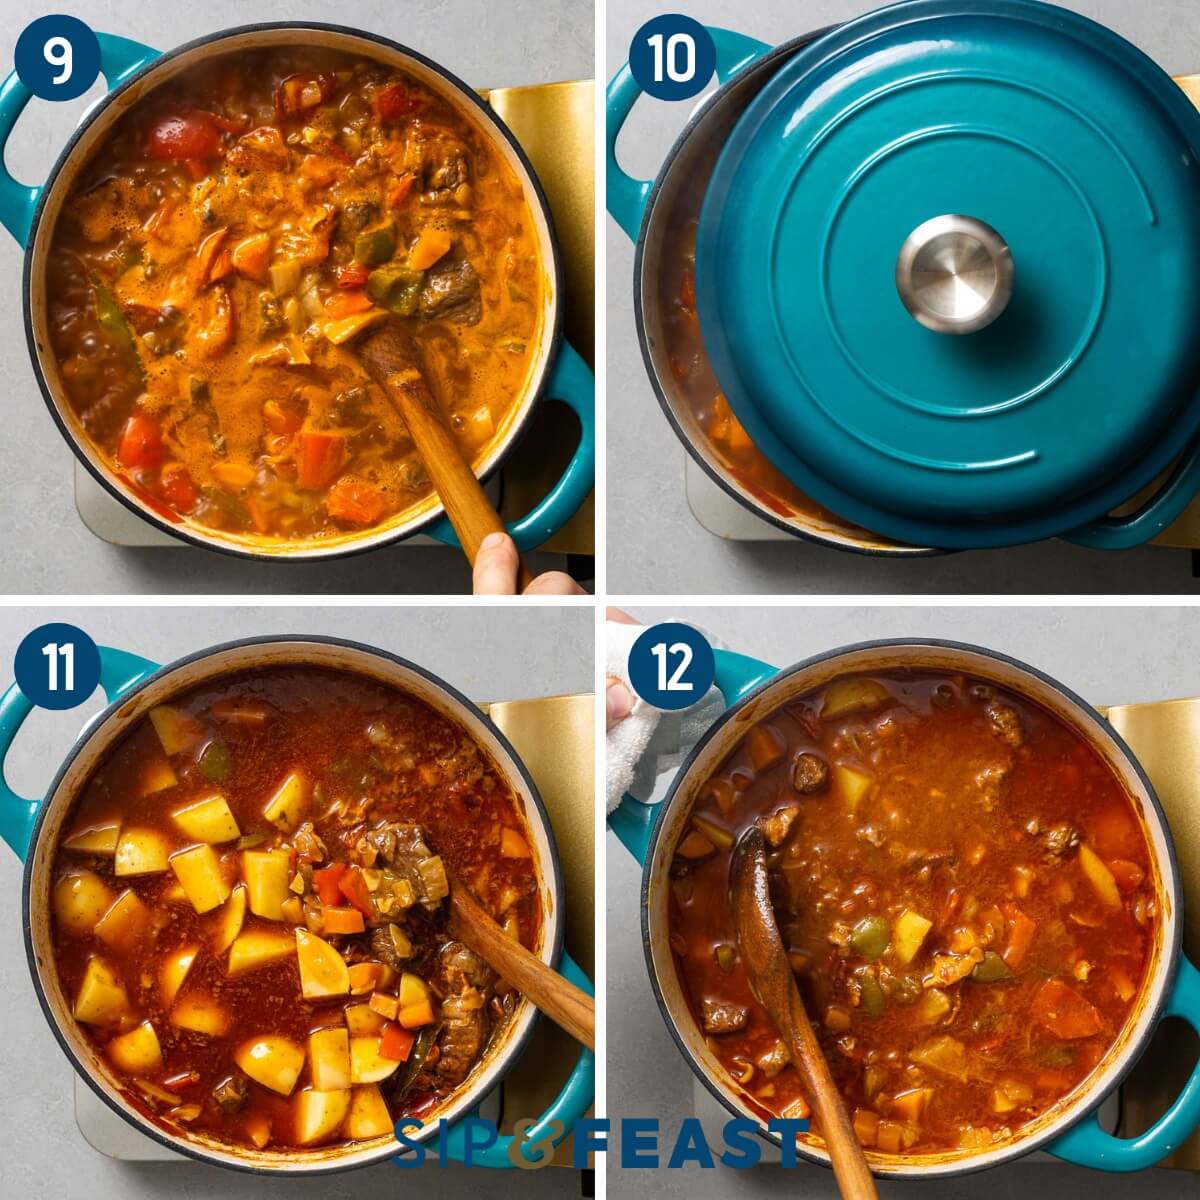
x,y
57,666
671,666
57,57
672,57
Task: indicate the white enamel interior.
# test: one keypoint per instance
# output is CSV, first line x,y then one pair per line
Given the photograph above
x,y
108,112
95,743
1019,680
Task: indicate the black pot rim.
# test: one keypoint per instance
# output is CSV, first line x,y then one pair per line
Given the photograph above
x,y
492,119
181,1146
1171,879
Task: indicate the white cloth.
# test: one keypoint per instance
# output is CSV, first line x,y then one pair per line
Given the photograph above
x,y
650,742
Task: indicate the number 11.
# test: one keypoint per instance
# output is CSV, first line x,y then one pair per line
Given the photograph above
x,y
65,651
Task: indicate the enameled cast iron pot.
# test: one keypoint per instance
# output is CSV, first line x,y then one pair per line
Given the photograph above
x,y
818,163
1070,1129
134,685
131,71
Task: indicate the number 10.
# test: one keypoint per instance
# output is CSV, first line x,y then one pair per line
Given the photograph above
x,y
677,44
65,651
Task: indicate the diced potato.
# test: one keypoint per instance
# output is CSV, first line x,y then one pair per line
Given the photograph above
x,y
910,1105
416,1007
141,852
275,1062
845,696
266,876
256,948
124,922
850,785
1009,1094
512,844
176,730
199,871
208,819
1099,876
366,1063
944,1054
323,971
287,807
80,900
329,1059
95,839
101,999
137,1051
228,921
174,971
156,776
319,1114
362,1020
934,1005
368,1116
908,934
200,1014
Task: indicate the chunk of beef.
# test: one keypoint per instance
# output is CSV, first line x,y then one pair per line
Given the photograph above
x,y
777,825
771,1062
464,1026
459,968
810,773
230,1094
451,293
1059,839
990,782
1006,725
719,1017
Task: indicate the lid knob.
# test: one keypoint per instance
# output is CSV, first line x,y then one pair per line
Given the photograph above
x,y
954,274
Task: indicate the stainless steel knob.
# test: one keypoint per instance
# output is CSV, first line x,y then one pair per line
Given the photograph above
x,y
954,274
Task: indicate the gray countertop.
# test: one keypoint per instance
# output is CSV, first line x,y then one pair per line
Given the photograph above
x,y
1108,655
47,550
655,544
491,653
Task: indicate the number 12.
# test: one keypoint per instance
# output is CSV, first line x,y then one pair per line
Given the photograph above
x,y
676,683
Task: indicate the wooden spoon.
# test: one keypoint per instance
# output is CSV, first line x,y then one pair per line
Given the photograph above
x,y
762,952
394,362
560,1000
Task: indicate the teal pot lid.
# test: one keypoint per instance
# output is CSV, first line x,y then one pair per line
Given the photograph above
x,y
947,271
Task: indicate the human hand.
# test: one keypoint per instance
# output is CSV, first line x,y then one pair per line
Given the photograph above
x,y
496,567
618,699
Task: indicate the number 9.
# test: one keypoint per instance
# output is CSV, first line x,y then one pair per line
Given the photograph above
x,y
58,53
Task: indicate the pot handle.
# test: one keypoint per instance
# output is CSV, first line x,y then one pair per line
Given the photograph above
x,y
577,1096
1089,1146
119,58
627,196
573,383
1121,533
119,671
737,674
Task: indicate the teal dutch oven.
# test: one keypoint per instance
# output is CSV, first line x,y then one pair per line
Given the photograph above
x,y
945,273
133,686
1070,1130
132,70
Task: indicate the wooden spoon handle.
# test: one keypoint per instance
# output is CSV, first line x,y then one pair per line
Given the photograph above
x,y
849,1162
393,360
560,1000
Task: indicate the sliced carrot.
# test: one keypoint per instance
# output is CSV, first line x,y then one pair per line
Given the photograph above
x,y
1127,874
355,500
342,920
347,303
250,256
1020,937
234,475
319,458
206,254
1064,1012
431,245
396,1043
401,191
353,886
325,880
